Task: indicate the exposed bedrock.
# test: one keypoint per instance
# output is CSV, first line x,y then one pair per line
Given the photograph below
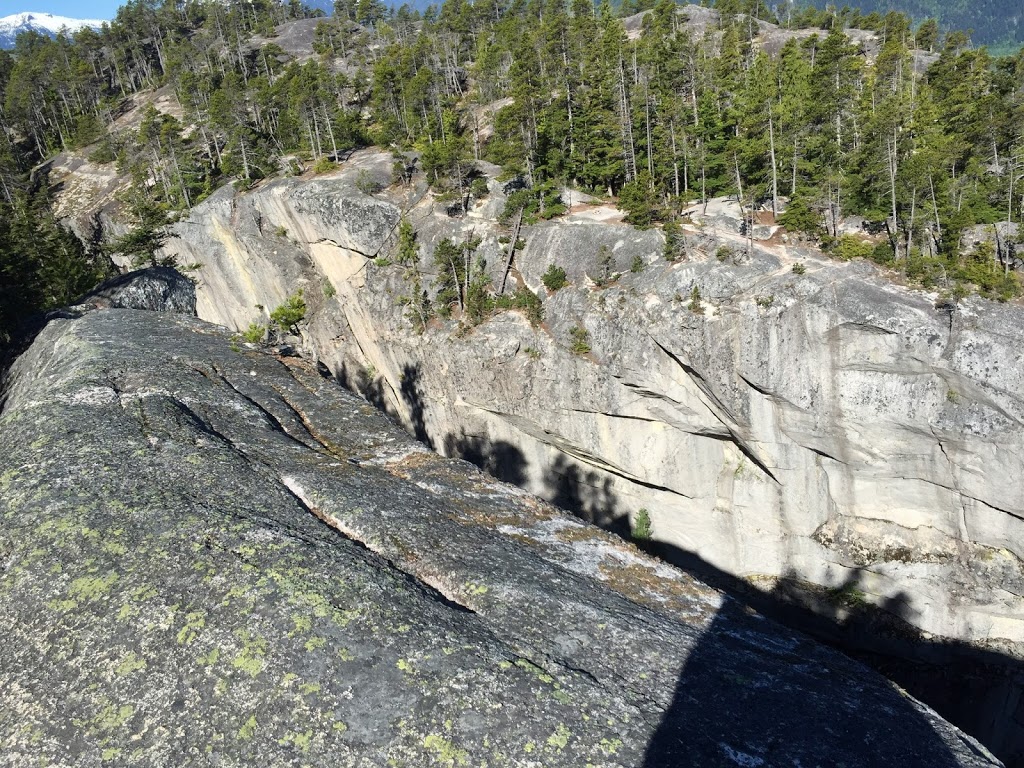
x,y
212,556
829,426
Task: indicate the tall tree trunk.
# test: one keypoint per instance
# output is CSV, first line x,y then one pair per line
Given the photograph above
x,y
891,157
626,126
511,250
647,117
775,165
245,156
675,157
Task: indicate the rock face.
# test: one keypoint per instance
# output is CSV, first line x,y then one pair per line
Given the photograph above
x,y
210,556
156,289
828,427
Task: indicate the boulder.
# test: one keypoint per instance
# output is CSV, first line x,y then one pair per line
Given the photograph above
x,y
156,289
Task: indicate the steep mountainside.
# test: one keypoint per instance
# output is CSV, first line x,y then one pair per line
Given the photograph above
x,y
212,556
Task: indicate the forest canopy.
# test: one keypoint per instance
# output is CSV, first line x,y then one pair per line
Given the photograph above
x,y
806,115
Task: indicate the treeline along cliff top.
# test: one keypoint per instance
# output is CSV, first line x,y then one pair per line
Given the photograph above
x,y
811,117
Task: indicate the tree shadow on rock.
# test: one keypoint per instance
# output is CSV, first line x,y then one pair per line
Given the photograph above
x,y
374,388
412,395
365,383
754,693
980,691
497,458
586,493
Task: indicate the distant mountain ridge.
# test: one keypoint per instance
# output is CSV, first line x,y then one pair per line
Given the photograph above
x,y
44,23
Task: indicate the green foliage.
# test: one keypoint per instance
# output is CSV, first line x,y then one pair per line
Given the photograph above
x,y
288,316
799,268
419,309
695,305
540,202
478,188
42,265
604,276
642,530
445,158
641,201
527,301
849,596
479,302
799,216
450,261
987,18
848,248
883,254
579,340
255,333
408,248
554,278
103,154
328,289
88,128
675,244
661,116
982,268
324,165
366,183
637,265
140,244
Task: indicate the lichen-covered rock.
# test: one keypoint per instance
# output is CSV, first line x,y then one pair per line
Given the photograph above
x,y
209,556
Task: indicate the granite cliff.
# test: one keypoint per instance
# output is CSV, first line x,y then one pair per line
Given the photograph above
x,y
828,427
212,555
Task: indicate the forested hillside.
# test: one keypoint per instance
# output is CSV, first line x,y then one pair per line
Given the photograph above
x,y
808,120
991,22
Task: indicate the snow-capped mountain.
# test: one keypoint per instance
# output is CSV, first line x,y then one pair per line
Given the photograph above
x,y
44,23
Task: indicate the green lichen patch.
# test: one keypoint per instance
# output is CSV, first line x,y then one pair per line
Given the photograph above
x,y
129,664
559,740
194,623
248,729
444,751
251,658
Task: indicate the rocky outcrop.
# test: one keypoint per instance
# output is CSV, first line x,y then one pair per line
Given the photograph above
x,y
828,426
155,289
210,555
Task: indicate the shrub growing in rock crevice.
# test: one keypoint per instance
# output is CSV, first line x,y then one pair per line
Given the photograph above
x,y
555,278
288,316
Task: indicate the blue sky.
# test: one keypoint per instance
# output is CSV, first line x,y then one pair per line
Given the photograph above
x,y
76,9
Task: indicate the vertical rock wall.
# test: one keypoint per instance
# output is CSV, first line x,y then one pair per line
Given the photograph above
x,y
828,427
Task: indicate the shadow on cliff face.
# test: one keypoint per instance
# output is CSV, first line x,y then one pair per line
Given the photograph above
x,y
412,395
495,457
729,709
368,384
979,691
570,485
585,493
